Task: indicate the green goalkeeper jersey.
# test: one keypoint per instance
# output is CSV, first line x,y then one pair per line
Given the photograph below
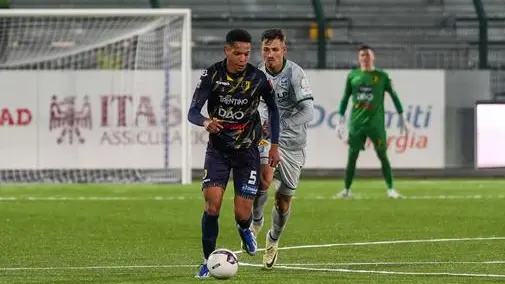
x,y
367,90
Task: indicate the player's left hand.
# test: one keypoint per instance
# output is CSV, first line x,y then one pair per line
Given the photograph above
x,y
274,157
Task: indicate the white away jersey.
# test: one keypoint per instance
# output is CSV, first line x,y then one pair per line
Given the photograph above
x,y
291,86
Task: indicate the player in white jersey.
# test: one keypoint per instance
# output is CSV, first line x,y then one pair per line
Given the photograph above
x,y
296,108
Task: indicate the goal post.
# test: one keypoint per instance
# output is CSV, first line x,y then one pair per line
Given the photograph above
x,y
95,95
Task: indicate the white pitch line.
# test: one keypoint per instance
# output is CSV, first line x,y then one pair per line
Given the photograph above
x,y
172,198
97,198
384,272
430,197
393,263
296,265
97,267
387,243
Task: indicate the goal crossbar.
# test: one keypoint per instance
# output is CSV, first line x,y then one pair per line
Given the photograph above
x,y
93,12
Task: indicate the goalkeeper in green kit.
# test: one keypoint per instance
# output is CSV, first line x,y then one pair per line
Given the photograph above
x,y
367,86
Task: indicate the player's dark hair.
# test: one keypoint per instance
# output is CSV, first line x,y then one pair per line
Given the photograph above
x,y
238,35
364,47
272,34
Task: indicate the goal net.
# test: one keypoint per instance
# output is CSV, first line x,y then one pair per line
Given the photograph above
x,y
95,95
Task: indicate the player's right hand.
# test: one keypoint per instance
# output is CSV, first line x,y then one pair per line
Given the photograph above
x,y
274,156
213,125
340,127
340,131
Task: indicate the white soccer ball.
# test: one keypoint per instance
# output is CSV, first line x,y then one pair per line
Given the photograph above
x,y
222,264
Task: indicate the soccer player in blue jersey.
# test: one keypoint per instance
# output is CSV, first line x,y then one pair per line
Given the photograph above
x,y
232,89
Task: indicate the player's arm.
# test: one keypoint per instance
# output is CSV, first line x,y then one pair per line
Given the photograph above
x,y
339,126
200,96
345,99
394,96
303,96
398,105
273,112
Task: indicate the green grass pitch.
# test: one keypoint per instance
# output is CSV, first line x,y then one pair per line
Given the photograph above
x,y
447,231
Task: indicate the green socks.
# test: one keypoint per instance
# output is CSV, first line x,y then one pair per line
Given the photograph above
x,y
387,172
350,169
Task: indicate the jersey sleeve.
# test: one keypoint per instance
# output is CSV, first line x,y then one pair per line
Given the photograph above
x,y
268,96
301,86
200,96
263,110
394,96
347,95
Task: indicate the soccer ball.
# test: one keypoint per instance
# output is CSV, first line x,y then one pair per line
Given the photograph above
x,y
222,264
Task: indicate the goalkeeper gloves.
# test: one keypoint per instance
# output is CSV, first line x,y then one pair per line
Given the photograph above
x,y
406,126
340,127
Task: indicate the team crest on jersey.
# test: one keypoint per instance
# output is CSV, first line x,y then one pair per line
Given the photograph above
x,y
284,82
245,85
375,79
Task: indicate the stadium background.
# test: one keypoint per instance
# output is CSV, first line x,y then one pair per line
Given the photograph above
x,y
446,231
451,35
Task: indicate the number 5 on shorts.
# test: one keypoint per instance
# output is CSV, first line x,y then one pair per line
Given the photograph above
x,y
252,178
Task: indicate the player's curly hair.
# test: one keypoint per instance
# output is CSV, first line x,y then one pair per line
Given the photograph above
x,y
238,35
272,34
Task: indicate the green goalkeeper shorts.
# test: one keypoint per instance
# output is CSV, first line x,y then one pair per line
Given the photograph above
x,y
358,137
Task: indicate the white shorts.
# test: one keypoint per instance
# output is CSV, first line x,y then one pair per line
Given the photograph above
x,y
289,169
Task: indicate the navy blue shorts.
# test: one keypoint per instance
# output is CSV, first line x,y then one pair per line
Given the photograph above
x,y
244,163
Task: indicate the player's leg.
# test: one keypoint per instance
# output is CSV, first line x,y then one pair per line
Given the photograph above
x,y
286,178
356,141
266,177
246,165
379,139
216,174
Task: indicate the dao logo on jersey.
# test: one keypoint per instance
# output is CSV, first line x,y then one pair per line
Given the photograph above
x,y
230,114
284,82
364,94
